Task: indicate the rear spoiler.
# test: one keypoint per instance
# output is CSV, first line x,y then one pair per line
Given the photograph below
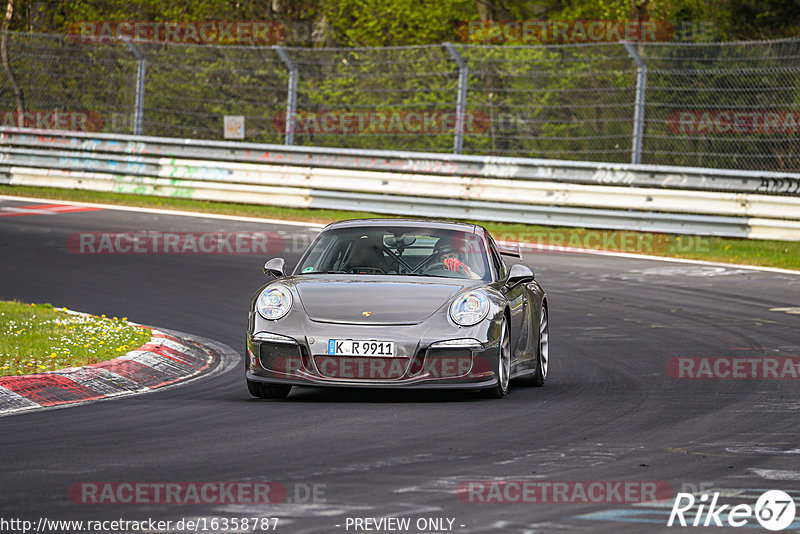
x,y
509,249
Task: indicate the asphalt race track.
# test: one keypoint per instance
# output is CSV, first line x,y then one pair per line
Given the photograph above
x,y
610,411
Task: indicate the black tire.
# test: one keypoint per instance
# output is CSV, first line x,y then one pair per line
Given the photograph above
x,y
268,391
543,350
499,390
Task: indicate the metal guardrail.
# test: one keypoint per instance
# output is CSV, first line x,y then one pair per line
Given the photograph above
x,y
763,205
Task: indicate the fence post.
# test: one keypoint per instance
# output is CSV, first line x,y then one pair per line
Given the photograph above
x,y
461,98
292,90
639,106
141,72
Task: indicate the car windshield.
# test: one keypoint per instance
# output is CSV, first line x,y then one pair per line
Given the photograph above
x,y
407,251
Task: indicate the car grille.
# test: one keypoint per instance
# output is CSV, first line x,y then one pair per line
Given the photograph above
x,y
279,357
447,362
361,368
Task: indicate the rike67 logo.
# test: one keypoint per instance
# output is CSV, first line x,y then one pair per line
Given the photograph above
x,y
774,510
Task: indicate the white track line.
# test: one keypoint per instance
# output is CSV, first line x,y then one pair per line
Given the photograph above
x,y
168,212
576,250
549,248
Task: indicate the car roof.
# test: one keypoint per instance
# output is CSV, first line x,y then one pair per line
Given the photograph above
x,y
420,223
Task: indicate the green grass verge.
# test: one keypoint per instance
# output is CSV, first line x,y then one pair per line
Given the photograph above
x,y
783,254
35,338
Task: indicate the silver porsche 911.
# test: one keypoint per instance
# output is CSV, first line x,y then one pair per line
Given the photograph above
x,y
402,304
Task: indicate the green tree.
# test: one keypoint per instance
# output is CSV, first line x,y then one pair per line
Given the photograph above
x,y
395,22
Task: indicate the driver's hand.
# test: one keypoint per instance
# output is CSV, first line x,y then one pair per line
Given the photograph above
x,y
454,264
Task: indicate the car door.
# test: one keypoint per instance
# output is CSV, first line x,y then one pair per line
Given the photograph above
x,y
519,302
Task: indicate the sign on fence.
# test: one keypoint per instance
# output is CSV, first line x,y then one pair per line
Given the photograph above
x,y
234,127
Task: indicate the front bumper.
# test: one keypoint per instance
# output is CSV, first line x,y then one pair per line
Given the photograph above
x,y
295,354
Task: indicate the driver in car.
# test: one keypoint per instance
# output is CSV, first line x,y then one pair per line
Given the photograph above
x,y
447,256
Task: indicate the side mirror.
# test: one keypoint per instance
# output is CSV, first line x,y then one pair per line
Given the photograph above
x,y
519,273
275,267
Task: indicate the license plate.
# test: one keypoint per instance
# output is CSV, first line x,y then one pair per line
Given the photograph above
x,y
354,347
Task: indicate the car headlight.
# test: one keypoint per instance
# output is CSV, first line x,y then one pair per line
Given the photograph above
x,y
470,308
274,302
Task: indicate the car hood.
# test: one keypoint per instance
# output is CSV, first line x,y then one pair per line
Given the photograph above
x,y
367,300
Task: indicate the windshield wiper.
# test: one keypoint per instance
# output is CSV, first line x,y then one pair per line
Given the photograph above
x,y
323,272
